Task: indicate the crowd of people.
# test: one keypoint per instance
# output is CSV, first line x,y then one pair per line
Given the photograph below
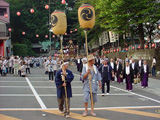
x,y
100,71
122,71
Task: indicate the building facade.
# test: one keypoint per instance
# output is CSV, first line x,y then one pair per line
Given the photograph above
x,y
5,41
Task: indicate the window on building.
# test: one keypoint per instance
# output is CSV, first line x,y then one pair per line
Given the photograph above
x,y
3,11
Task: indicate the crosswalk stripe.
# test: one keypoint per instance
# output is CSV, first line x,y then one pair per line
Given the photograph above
x,y
4,117
135,112
74,115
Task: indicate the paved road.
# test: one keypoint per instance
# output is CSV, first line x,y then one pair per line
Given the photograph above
x,y
32,97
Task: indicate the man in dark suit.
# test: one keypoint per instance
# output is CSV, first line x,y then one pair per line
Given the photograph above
x,y
135,68
127,75
63,79
113,65
139,62
119,71
78,63
144,74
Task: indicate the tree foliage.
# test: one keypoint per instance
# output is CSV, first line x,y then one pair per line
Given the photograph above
x,y
20,49
128,15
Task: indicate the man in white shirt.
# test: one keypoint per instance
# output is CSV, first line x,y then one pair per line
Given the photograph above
x,y
50,64
27,63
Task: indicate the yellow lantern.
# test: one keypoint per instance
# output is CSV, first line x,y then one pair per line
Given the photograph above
x,y
59,22
86,16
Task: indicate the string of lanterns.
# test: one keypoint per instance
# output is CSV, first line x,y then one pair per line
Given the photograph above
x,y
18,13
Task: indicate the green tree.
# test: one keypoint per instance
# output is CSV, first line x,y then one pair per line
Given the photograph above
x,y
128,15
20,49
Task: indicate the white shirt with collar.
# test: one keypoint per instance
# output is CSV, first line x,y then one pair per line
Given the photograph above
x,y
78,61
133,65
50,67
127,70
145,68
140,63
112,65
117,66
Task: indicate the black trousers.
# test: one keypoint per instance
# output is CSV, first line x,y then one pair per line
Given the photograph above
x,y
10,70
50,75
0,71
28,69
103,85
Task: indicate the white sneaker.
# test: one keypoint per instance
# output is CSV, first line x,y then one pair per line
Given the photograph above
x,y
68,116
61,112
142,87
107,93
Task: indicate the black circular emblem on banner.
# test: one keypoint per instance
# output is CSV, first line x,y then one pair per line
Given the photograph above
x,y
87,14
54,20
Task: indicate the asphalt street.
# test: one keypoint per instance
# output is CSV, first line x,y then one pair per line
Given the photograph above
x,y
34,98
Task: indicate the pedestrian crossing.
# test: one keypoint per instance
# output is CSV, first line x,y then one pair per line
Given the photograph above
x,y
77,114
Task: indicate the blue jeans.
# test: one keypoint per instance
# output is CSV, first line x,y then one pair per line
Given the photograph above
x,y
153,71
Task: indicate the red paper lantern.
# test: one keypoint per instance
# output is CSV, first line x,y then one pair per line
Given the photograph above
x,y
9,29
5,15
146,46
133,48
108,51
46,36
153,45
65,33
139,47
63,1
46,6
117,50
53,36
114,50
32,10
23,33
71,31
18,13
37,35
126,49
76,30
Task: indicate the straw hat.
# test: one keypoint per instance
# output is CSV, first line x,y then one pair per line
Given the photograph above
x,y
90,57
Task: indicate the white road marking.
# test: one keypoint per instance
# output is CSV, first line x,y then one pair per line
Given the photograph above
x,y
35,81
55,95
37,87
14,86
36,95
137,94
17,95
99,108
13,81
76,74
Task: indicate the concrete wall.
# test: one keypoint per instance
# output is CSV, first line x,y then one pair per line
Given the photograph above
x,y
145,54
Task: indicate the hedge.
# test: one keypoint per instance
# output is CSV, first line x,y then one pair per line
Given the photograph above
x,y
20,50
